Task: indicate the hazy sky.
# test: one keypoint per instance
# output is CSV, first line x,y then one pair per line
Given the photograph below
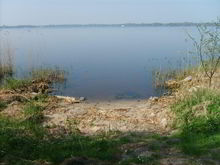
x,y
38,12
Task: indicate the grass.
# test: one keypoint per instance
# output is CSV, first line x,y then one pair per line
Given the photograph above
x,y
37,76
33,113
198,117
25,141
6,60
160,77
48,74
19,140
5,70
13,84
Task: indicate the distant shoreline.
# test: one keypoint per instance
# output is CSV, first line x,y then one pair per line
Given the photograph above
x,y
110,25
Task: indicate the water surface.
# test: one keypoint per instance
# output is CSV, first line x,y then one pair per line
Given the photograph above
x,y
102,62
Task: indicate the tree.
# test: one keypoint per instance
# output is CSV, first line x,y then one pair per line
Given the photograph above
x,y
207,48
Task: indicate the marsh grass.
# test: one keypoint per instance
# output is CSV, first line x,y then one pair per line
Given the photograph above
x,y
6,60
182,68
186,68
47,76
161,77
54,74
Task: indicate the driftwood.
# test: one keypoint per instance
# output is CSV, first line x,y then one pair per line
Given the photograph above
x,y
71,100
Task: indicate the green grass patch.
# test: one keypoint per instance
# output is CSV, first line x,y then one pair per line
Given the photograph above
x,y
199,113
41,97
13,84
32,109
198,117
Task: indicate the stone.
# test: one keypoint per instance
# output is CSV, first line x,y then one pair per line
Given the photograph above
x,y
82,98
168,93
67,99
153,98
71,99
34,93
164,122
187,79
193,89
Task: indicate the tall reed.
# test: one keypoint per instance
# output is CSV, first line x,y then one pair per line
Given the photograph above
x,y
6,59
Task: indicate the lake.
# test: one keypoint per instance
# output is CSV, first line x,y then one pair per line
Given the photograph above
x,y
103,63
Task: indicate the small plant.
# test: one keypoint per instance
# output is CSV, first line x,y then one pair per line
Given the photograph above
x,y
207,47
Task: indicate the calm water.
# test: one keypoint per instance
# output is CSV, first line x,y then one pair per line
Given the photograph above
x,y
103,63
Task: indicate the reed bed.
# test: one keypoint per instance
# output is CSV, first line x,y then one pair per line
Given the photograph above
x,y
48,74
184,67
6,61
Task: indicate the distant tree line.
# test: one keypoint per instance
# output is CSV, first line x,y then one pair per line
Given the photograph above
x,y
112,25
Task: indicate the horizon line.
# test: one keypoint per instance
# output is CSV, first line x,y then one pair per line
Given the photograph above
x,y
112,24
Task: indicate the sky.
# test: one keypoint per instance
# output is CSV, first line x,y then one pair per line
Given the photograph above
x,y
44,12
